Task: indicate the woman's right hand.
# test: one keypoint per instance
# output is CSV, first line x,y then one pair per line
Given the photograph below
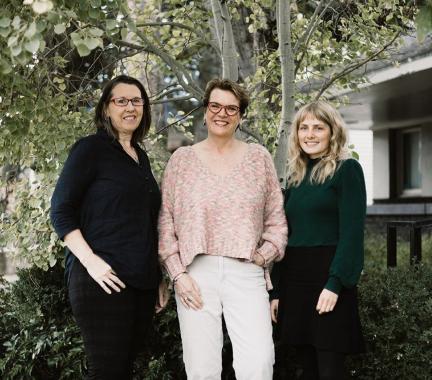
x,y
102,273
274,306
188,291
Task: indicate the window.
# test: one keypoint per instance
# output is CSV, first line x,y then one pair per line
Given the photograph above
x,y
411,146
405,163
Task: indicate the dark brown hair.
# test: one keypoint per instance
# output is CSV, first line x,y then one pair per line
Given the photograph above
x,y
227,85
102,121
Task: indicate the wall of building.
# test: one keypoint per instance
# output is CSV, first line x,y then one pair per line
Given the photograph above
x,y
362,141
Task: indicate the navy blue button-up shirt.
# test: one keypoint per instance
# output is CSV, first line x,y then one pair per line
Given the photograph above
x,y
115,203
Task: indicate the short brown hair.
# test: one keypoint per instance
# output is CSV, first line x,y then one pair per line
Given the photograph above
x,y
227,85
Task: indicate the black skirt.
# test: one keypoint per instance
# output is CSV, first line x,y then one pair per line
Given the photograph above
x,y
304,272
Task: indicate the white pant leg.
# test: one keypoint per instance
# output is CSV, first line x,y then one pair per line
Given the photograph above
x,y
246,311
201,331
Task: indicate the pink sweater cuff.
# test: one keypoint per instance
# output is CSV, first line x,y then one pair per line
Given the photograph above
x,y
268,251
174,266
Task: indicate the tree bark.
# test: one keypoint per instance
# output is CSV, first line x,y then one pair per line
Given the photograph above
x,y
288,88
225,37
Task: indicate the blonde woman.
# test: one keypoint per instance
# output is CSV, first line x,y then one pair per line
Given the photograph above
x,y
315,297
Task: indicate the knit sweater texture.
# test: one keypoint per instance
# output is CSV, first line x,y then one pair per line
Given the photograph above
x,y
232,215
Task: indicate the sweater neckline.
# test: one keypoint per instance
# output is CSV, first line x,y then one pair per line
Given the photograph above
x,y
230,172
312,162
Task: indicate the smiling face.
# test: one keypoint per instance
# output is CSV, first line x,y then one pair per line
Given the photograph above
x,y
314,136
124,119
221,124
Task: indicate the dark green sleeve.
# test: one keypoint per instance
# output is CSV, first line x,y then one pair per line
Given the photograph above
x,y
347,263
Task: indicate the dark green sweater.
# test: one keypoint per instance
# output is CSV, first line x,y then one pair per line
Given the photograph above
x,y
332,213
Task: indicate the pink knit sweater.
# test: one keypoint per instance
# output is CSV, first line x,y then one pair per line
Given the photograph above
x,y
232,215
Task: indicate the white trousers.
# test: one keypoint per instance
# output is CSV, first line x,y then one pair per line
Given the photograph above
x,y
237,290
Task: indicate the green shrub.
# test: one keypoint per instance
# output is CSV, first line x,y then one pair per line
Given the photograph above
x,y
39,338
396,310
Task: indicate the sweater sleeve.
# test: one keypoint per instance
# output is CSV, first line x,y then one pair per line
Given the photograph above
x,y
77,174
168,243
275,231
347,263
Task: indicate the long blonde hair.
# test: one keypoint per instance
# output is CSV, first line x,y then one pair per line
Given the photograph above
x,y
329,162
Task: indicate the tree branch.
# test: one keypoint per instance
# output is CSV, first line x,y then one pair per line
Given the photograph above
x,y
184,78
313,23
349,69
158,94
168,100
250,132
179,120
161,94
182,26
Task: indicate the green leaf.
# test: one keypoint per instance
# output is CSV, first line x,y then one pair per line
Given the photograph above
x,y
75,37
355,155
96,32
5,22
95,3
111,24
5,67
15,50
94,13
42,6
32,46
41,26
31,30
59,28
70,14
83,50
16,22
23,58
92,43
12,40
4,32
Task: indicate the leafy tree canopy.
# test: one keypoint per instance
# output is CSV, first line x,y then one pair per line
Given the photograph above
x,y
56,54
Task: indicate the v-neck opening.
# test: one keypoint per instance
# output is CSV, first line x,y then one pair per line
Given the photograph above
x,y
232,170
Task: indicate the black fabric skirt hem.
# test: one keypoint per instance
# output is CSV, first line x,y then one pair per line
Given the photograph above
x,y
304,273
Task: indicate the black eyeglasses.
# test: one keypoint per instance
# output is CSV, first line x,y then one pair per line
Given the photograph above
x,y
230,110
123,102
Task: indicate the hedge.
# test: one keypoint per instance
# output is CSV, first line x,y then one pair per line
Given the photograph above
x,y
39,339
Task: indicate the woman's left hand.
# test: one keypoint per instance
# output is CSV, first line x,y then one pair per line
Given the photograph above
x,y
326,301
163,296
258,259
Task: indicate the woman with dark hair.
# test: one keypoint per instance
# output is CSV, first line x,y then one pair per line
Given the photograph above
x,y
105,207
315,295
221,225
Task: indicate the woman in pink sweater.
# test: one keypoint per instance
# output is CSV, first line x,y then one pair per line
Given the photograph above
x,y
221,224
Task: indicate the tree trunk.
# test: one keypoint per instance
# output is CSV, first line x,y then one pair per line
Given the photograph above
x,y
288,89
225,37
